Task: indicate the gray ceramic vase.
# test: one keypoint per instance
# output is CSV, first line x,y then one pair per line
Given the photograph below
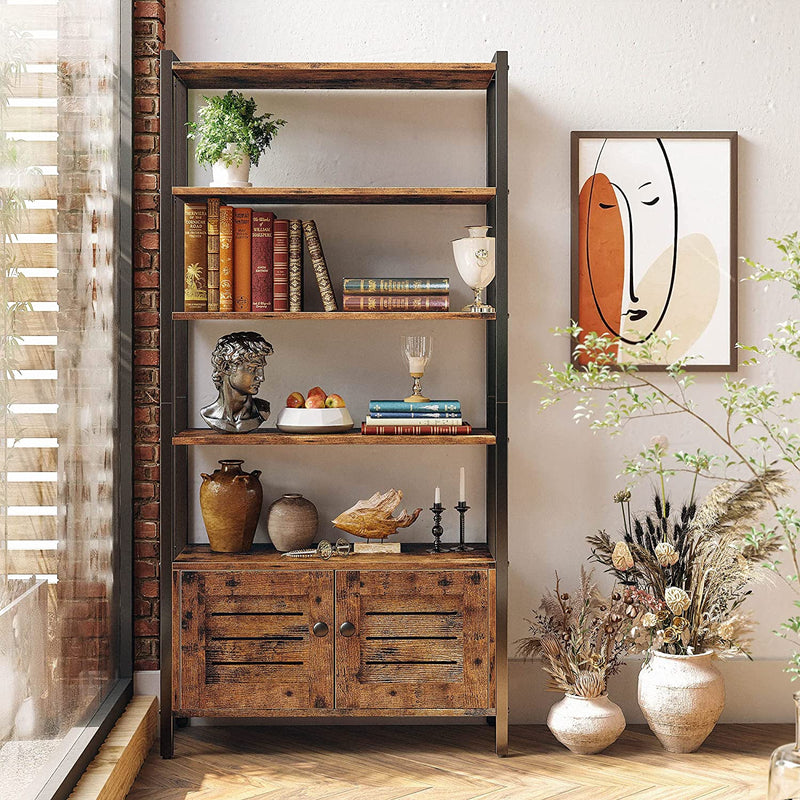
x,y
292,522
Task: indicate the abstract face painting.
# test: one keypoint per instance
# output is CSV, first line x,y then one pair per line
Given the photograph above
x,y
653,219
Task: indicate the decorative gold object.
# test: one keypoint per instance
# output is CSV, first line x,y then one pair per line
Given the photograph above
x,y
324,550
238,361
416,350
372,519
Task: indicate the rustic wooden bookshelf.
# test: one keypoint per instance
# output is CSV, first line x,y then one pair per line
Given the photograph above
x,y
260,635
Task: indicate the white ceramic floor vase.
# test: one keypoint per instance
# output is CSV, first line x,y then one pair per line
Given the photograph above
x,y
681,698
586,725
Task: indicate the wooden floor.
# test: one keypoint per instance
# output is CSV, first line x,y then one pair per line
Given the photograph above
x,y
451,763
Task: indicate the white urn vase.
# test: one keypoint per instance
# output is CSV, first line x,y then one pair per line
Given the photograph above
x,y
681,698
475,259
586,725
233,174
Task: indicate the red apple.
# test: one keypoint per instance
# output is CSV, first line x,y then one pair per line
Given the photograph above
x,y
295,400
334,401
315,401
317,392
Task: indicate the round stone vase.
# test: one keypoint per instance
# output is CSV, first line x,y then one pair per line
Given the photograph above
x,y
681,698
230,501
292,522
586,725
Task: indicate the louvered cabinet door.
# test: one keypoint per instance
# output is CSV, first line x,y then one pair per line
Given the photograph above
x,y
413,639
247,641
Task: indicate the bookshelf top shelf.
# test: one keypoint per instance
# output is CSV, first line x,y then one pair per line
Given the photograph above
x,y
363,195
201,436
316,75
350,315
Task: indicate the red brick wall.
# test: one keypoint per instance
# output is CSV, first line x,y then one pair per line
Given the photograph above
x,y
148,40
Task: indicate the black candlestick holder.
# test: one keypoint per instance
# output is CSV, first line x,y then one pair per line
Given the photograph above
x,y
437,530
462,509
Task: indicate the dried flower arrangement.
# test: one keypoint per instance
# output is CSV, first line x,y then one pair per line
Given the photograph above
x,y
582,637
692,572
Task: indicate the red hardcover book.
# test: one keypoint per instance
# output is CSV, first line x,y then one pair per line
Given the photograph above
x,y
393,302
262,263
280,275
242,218
415,430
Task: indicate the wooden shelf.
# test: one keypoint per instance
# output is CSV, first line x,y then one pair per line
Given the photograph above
x,y
270,436
238,75
325,195
299,315
264,556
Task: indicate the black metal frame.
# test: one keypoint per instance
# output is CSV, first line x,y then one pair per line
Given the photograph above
x,y
174,373
87,742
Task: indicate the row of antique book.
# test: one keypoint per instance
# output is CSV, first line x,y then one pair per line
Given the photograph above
x,y
401,418
240,259
243,259
396,294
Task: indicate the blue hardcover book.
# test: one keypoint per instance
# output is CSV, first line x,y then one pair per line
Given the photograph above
x,y
401,405
415,414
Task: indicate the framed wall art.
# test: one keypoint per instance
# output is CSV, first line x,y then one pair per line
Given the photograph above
x,y
654,244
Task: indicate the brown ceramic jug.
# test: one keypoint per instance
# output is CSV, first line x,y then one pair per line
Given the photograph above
x,y
230,501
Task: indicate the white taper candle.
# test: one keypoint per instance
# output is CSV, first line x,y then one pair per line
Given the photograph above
x,y
437,496
462,487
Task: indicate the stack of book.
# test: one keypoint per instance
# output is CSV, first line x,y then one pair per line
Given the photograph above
x,y
396,294
241,259
400,418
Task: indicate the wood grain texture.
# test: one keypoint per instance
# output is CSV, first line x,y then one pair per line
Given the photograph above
x,y
413,556
441,661
274,661
355,195
233,75
200,436
113,770
351,315
454,762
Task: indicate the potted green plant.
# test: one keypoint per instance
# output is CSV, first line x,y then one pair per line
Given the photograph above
x,y
230,136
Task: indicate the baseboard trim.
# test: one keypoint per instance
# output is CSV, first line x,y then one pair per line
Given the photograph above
x,y
112,772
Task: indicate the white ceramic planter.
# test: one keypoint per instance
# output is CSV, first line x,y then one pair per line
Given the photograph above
x,y
234,175
681,698
586,725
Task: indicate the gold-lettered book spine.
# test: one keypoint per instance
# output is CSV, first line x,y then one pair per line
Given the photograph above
x,y
319,265
225,258
295,265
213,253
195,255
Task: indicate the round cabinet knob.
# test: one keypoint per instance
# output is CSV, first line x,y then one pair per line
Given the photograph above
x,y
347,629
320,629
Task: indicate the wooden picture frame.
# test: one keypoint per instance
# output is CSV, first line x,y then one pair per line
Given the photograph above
x,y
654,242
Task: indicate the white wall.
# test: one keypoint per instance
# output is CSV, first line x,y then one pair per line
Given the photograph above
x,y
687,65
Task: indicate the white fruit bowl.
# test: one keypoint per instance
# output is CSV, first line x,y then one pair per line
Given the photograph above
x,y
314,420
